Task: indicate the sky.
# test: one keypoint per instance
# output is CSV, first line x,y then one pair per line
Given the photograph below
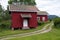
x,y
51,6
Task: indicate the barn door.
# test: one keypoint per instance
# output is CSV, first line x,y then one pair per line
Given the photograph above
x,y
43,18
25,24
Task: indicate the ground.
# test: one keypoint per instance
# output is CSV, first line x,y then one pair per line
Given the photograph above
x,y
10,32
46,33
7,32
45,29
52,35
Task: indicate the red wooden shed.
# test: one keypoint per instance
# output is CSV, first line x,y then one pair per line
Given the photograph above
x,y
42,16
23,16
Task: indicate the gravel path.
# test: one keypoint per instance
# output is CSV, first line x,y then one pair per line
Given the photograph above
x,y
43,30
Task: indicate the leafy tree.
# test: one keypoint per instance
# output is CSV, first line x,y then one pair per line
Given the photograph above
x,y
26,2
1,8
1,13
4,14
10,1
7,15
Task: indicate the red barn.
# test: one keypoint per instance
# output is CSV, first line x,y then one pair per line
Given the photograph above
x,y
42,16
23,16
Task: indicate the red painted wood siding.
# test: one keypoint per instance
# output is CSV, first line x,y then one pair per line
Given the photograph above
x,y
41,17
17,20
33,20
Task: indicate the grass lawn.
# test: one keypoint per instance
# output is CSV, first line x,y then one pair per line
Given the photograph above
x,y
7,32
52,35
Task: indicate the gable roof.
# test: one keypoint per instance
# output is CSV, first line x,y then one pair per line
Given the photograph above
x,y
42,13
22,8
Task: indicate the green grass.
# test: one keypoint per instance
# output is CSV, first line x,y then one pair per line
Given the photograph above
x,y
52,35
7,32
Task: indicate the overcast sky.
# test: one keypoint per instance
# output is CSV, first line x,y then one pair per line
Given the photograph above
x,y
51,6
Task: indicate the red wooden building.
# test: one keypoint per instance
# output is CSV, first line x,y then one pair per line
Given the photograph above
x,y
42,16
23,16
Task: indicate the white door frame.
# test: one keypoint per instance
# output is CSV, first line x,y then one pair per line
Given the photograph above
x,y
25,24
43,18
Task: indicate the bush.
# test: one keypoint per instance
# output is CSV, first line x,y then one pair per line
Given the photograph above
x,y
8,24
1,19
40,23
5,25
57,22
2,27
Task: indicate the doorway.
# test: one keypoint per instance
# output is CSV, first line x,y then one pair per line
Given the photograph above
x,y
43,18
25,24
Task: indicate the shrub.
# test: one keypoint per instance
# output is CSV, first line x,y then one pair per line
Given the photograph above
x,y
1,19
40,23
5,25
8,24
2,27
57,22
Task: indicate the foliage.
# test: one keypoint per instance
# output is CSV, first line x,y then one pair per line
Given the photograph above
x,y
2,27
4,15
29,2
7,15
40,23
57,22
1,10
1,13
10,1
1,19
5,25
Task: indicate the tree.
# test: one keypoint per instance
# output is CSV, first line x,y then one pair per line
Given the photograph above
x,y
26,2
57,22
1,8
6,15
1,13
10,1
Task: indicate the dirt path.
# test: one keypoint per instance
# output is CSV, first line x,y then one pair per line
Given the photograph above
x,y
43,30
